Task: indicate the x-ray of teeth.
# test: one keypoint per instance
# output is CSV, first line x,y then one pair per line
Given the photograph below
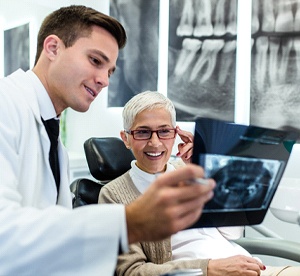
x,y
16,48
242,183
220,28
227,60
137,65
189,49
202,50
185,27
231,20
202,58
275,70
255,20
285,18
297,18
268,17
208,59
247,162
203,12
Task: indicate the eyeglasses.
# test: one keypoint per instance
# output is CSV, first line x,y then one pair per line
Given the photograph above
x,y
146,134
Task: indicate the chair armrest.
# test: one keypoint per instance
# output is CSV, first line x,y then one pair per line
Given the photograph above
x,y
272,247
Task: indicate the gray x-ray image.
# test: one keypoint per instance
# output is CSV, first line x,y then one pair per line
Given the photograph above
x,y
202,51
275,72
16,49
242,183
137,65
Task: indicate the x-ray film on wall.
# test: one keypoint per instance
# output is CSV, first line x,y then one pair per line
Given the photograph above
x,y
16,49
275,66
202,50
137,65
211,71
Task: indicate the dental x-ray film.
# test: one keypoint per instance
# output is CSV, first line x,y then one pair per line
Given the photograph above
x,y
247,163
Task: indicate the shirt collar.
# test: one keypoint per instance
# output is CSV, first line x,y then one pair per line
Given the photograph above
x,y
142,179
45,104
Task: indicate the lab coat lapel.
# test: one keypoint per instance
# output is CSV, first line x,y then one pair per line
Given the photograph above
x,y
29,94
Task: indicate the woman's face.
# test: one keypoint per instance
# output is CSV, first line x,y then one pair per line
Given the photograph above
x,y
152,154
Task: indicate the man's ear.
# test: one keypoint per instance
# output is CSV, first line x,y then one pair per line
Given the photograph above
x,y
51,46
124,137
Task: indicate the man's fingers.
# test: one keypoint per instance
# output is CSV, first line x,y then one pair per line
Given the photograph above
x,y
188,211
181,174
170,201
193,205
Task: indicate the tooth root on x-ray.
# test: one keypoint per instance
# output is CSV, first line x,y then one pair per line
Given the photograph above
x,y
189,49
284,21
274,43
218,45
210,49
231,27
286,47
227,59
261,61
203,19
185,27
297,51
268,18
219,27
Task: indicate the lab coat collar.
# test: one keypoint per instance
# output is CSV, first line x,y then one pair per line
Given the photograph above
x,y
46,106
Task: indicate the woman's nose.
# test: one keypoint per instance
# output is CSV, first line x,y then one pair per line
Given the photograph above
x,y
154,140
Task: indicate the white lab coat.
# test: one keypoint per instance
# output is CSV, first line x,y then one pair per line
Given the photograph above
x,y
38,237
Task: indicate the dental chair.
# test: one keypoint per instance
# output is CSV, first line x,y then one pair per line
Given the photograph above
x,y
108,158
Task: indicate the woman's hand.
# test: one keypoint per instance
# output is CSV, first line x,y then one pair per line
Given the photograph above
x,y
185,149
235,266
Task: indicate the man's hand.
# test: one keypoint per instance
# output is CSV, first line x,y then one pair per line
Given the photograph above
x,y
169,205
185,149
235,266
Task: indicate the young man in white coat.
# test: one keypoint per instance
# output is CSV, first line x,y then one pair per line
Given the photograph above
x,y
40,234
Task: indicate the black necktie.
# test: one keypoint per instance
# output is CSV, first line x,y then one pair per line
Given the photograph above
x,y
52,128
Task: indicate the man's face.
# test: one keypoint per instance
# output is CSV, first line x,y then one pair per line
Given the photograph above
x,y
78,73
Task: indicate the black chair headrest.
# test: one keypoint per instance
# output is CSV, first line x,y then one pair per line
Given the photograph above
x,y
107,157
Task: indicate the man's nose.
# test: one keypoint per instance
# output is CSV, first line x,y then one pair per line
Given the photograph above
x,y
102,79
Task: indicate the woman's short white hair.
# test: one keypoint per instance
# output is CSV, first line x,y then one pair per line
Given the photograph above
x,y
147,100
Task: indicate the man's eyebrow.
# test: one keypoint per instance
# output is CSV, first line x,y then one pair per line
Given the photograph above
x,y
100,53
105,57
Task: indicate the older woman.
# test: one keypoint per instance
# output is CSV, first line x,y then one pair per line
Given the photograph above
x,y
150,130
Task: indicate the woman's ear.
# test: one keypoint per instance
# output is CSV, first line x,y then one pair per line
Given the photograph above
x,y
124,137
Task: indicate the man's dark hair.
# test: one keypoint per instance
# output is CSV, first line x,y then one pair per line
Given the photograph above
x,y
73,22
